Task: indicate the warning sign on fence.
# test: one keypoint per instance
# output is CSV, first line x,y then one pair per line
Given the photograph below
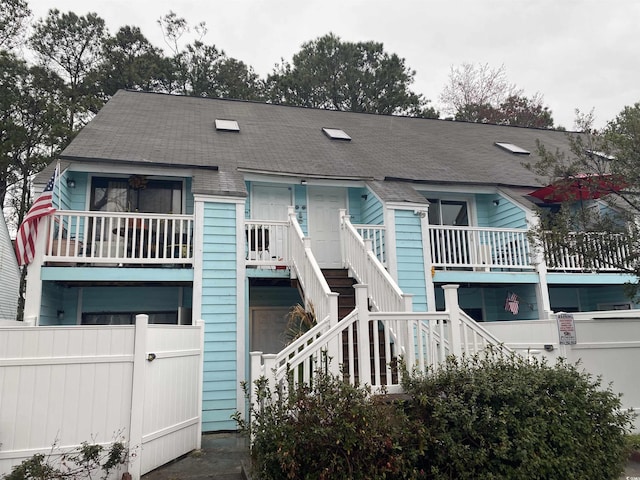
x,y
566,329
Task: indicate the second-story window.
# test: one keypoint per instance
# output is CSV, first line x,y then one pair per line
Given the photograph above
x,y
448,212
137,195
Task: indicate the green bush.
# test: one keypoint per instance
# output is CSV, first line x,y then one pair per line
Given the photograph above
x,y
495,417
329,430
88,461
486,417
633,443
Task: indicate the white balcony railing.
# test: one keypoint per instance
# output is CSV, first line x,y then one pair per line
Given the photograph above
x,y
109,238
480,248
267,244
588,251
376,235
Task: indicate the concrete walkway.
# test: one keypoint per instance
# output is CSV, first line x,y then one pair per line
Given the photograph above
x,y
223,454
220,458
632,470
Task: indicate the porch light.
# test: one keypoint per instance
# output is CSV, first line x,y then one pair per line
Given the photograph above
x,y
71,183
303,182
496,202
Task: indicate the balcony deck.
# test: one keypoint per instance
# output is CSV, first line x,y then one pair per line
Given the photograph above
x,y
107,239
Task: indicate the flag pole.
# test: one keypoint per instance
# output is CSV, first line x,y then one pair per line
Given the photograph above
x,y
59,183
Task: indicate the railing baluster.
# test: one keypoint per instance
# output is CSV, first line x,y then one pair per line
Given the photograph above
x,y
100,237
462,246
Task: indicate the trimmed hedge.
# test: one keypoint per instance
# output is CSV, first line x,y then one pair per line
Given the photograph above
x,y
486,417
329,430
494,417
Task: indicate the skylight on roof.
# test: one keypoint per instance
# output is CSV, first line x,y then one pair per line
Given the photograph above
x,y
510,147
336,134
602,155
227,125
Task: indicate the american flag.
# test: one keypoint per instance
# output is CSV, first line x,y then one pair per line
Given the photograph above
x,y
512,304
28,231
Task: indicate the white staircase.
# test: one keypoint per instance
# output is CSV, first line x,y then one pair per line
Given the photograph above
x,y
366,346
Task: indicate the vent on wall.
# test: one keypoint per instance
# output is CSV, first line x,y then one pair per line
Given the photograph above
x,y
511,148
336,134
227,125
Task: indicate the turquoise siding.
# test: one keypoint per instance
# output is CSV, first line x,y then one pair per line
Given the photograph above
x,y
372,211
503,215
52,302
71,197
220,313
410,257
79,195
355,202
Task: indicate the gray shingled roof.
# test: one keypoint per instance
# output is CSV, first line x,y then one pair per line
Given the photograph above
x,y
167,129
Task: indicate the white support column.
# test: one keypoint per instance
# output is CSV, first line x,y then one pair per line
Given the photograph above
x,y
343,253
542,293
198,247
291,238
390,241
364,354
406,331
334,346
333,308
33,290
542,287
200,325
269,366
254,374
241,302
453,307
137,396
428,265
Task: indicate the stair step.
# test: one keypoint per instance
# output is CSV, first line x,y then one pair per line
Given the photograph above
x,y
335,272
344,311
340,282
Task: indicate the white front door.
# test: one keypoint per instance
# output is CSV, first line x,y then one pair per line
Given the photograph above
x,y
270,202
324,224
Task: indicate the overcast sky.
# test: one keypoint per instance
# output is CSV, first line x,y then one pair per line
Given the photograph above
x,y
577,53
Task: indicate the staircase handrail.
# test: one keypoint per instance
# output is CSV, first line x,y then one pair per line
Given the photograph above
x,y
358,256
301,343
305,268
423,339
475,337
314,349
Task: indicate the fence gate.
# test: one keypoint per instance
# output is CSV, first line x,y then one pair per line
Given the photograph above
x,y
168,410
66,385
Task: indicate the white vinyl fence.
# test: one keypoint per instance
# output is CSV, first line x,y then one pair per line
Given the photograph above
x,y
139,384
607,345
